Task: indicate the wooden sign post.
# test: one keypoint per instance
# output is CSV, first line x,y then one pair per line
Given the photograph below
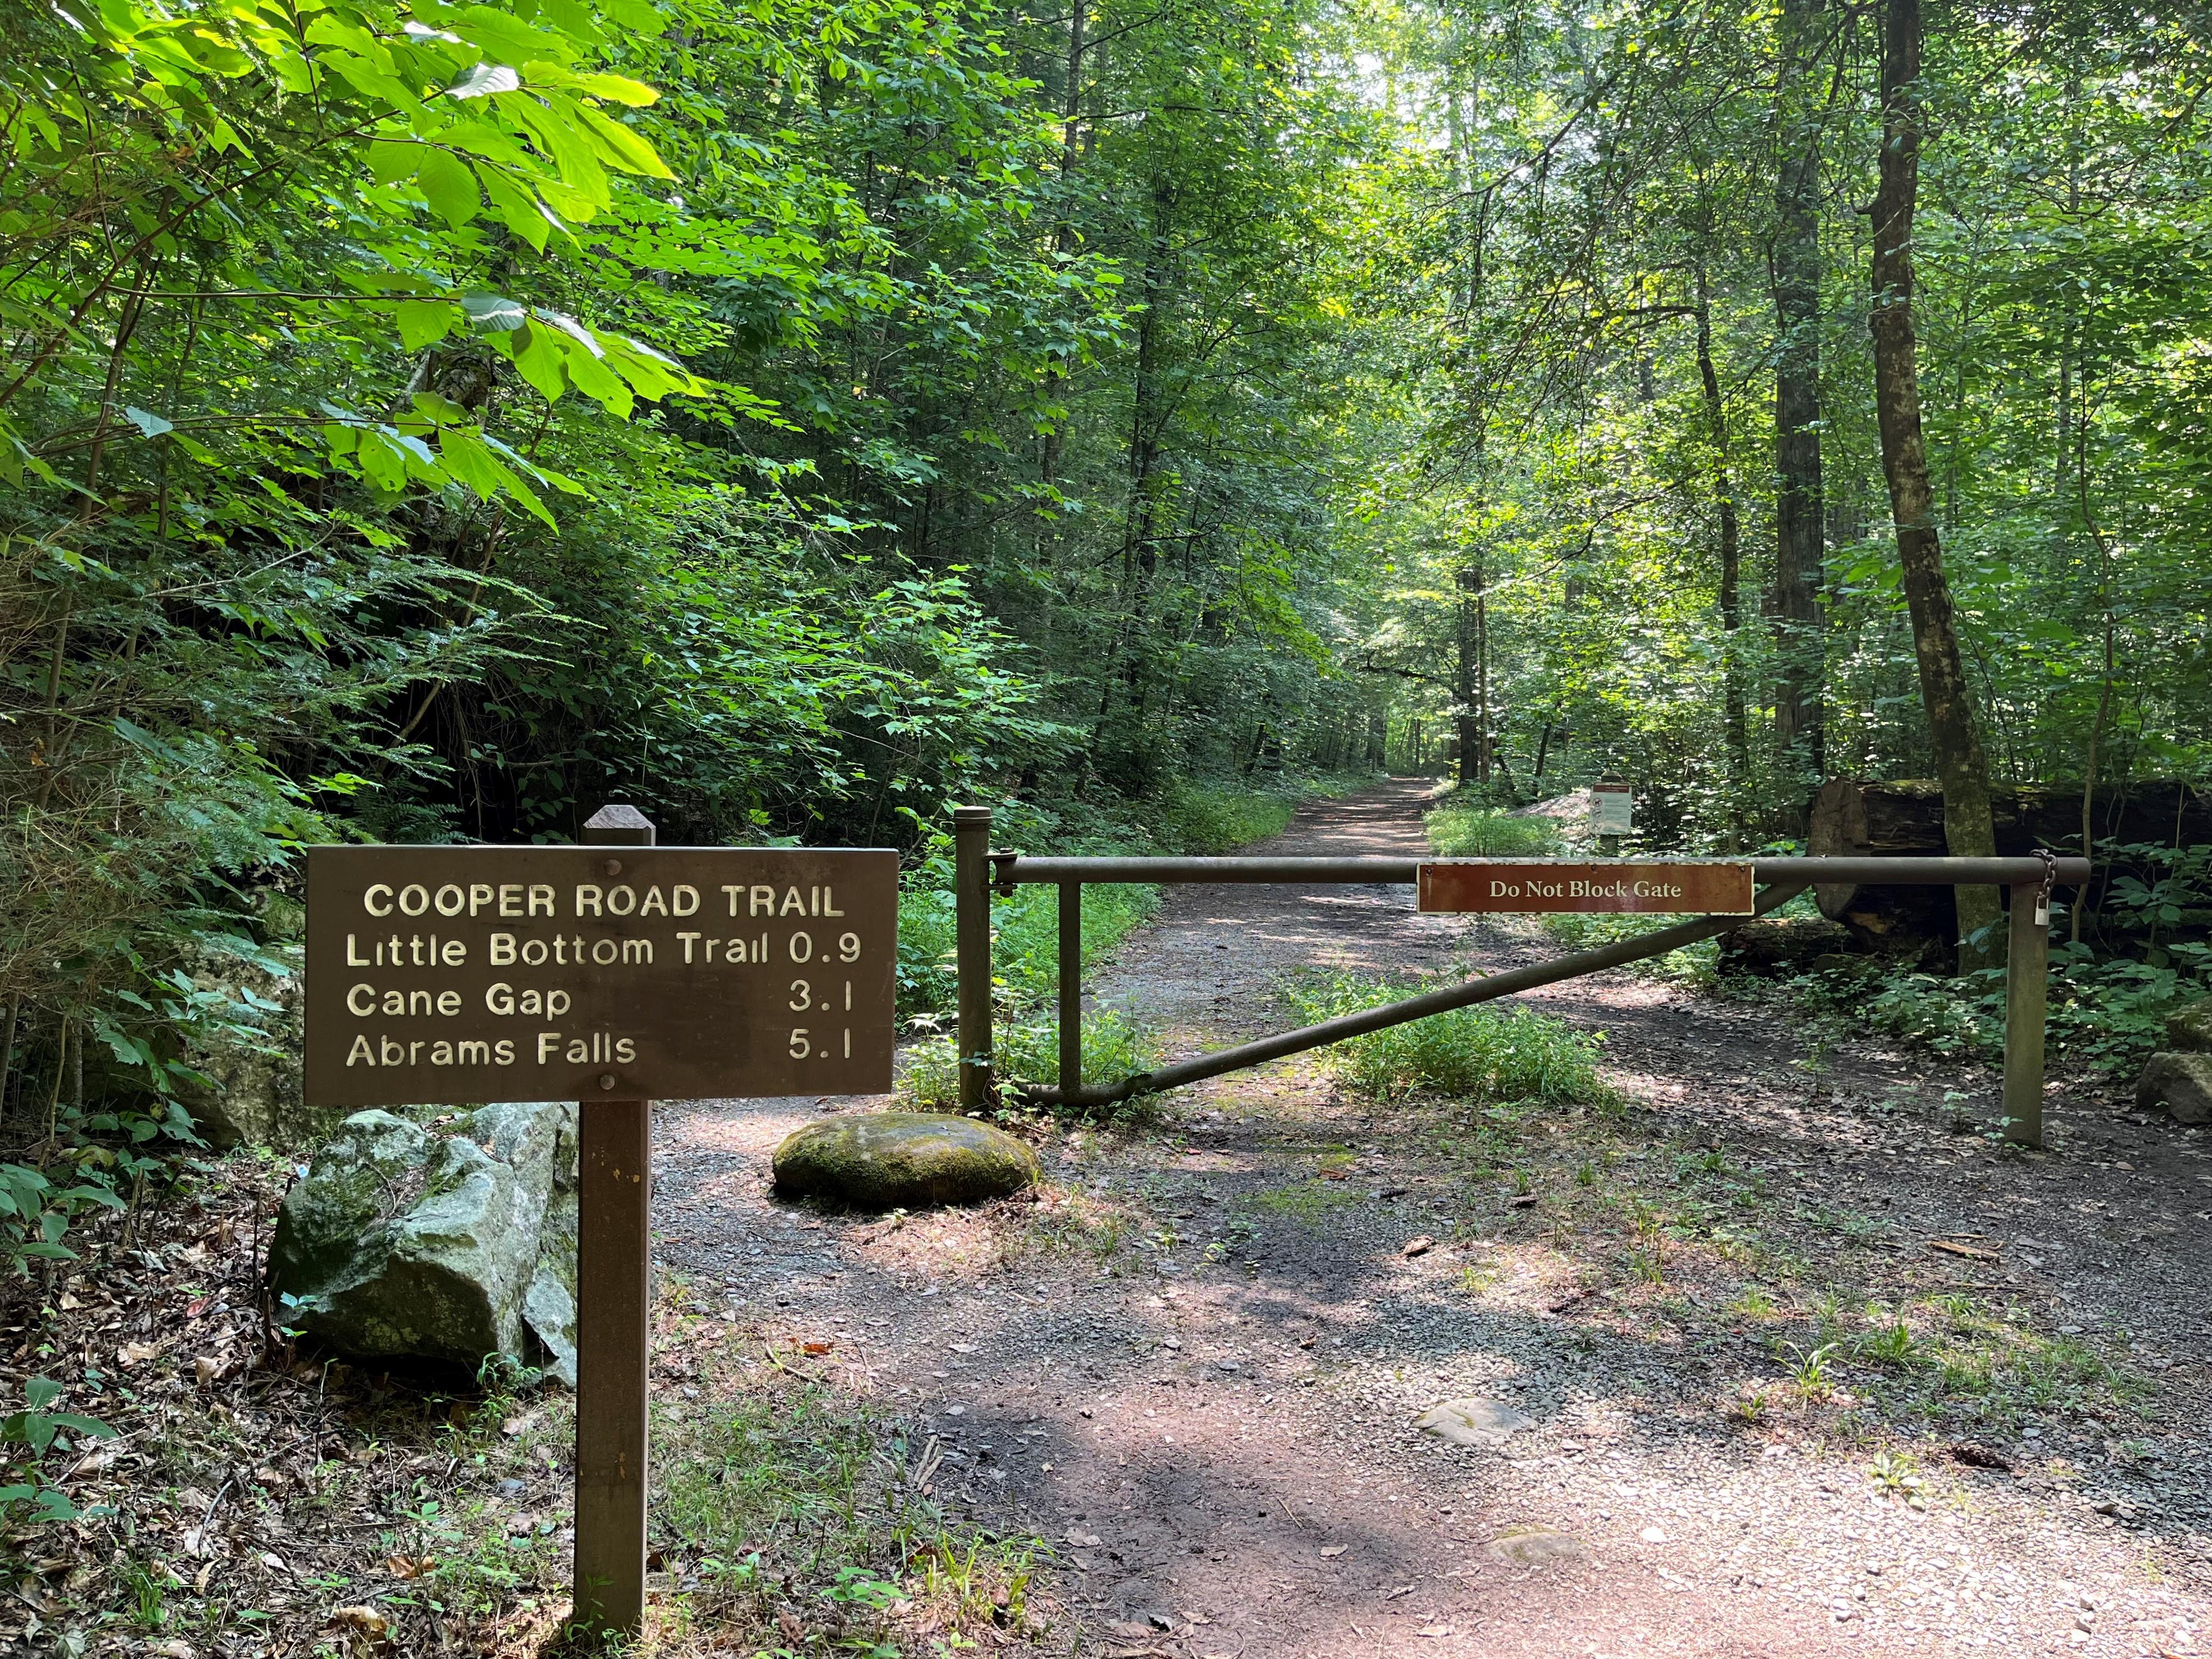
x,y
614,1326
1553,886
615,974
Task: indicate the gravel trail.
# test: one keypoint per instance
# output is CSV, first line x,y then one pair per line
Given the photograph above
x,y
1194,1363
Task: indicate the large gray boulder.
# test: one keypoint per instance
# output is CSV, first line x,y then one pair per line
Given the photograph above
x,y
2189,1028
446,1245
903,1160
2181,1083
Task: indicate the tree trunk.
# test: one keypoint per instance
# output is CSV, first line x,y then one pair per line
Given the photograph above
x,y
1071,115
1952,728
1799,717
1482,709
1465,692
1731,561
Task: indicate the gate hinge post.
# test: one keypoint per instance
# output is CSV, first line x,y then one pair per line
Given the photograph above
x,y
971,908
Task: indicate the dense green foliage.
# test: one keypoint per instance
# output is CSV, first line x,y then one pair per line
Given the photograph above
x,y
1604,219
429,420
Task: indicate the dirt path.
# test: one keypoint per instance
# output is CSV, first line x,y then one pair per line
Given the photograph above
x,y
1194,1364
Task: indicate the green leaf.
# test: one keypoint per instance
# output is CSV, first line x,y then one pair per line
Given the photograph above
x,y
388,161
617,89
468,459
483,80
599,383
518,210
493,311
438,409
506,36
381,463
450,187
621,147
90,1427
424,322
539,362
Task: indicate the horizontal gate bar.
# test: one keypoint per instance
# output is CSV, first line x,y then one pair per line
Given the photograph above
x,y
1656,942
1009,869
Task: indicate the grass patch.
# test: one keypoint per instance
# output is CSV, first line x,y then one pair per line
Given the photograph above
x,y
1461,829
1200,818
788,1517
1072,1222
1483,1052
1301,1200
1025,932
1114,1047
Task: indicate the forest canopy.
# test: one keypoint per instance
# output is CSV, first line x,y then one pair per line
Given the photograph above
x,y
428,420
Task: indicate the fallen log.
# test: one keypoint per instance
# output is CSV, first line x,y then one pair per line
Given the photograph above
x,y
1904,817
1780,947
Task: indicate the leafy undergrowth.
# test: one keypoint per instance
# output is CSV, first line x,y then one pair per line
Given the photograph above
x,y
1480,1054
2108,1014
2108,1008
232,1495
1465,829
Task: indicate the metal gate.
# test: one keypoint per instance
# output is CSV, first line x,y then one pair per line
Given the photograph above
x,y
979,870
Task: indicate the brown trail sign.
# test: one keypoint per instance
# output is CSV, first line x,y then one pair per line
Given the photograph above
x,y
1555,886
614,973
464,975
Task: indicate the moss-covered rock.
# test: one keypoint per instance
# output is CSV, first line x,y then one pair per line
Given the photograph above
x,y
2189,1028
887,1160
447,1247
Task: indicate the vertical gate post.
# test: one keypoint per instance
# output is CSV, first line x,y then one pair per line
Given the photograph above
x,y
1071,993
613,1327
971,909
2027,972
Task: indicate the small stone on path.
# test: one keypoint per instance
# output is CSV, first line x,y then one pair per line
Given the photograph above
x,y
1534,1546
1472,1422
